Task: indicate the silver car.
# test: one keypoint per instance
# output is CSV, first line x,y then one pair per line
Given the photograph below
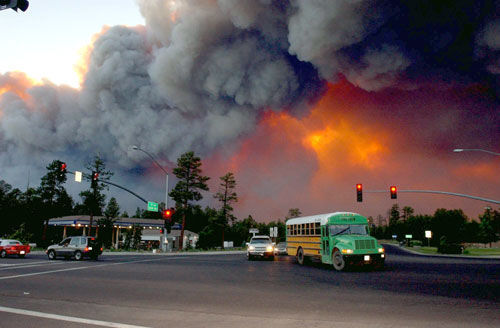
x,y
280,249
77,247
260,246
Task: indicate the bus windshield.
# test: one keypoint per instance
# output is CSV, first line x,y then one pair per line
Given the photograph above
x,y
348,229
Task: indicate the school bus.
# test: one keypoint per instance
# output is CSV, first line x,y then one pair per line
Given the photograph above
x,y
340,239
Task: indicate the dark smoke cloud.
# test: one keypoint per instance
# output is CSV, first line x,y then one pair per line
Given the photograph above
x,y
199,74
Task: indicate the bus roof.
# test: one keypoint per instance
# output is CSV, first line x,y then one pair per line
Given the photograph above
x,y
323,218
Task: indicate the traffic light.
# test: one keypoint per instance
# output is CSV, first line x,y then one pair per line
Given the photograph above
x,y
359,192
394,192
14,4
94,177
162,231
63,167
167,213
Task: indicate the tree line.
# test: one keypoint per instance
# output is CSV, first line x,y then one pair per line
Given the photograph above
x,y
448,227
24,215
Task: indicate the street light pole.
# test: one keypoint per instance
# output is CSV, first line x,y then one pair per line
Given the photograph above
x,y
163,245
459,150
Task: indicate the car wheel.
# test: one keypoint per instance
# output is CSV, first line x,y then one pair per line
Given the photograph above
x,y
300,256
51,255
78,255
3,253
338,260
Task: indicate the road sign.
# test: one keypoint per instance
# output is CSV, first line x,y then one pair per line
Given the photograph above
x,y
152,207
409,236
428,234
78,176
253,230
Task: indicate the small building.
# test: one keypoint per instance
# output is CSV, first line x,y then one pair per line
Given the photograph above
x,y
75,225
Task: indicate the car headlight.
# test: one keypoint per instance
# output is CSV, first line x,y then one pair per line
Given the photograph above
x,y
347,251
381,250
251,248
269,248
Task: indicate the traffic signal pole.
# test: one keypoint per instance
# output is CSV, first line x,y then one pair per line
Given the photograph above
x,y
441,193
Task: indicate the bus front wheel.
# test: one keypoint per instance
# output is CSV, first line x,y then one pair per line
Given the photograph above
x,y
338,260
300,256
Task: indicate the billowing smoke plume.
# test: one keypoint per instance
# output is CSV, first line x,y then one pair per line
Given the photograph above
x,y
199,74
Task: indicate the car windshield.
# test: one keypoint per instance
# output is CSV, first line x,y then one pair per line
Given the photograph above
x,y
348,229
260,241
281,245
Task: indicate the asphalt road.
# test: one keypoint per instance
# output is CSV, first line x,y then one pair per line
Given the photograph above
x,y
229,291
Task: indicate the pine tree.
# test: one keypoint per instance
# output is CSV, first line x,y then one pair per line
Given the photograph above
x,y
188,188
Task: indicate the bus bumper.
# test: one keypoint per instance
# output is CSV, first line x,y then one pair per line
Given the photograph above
x,y
359,259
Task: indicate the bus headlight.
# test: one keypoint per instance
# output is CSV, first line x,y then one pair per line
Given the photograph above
x,y
380,250
269,248
347,251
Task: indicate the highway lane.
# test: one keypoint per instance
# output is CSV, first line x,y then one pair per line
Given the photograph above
x,y
228,290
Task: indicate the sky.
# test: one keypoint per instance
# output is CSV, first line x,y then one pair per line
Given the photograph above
x,y
301,100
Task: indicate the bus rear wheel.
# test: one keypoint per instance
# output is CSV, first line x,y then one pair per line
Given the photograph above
x,y
300,256
338,260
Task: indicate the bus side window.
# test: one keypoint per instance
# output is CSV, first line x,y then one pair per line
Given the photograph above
x,y
317,229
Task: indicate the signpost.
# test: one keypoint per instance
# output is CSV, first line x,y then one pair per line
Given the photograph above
x,y
408,237
428,235
152,207
253,231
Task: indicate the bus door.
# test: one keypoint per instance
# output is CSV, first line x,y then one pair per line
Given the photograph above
x,y
325,245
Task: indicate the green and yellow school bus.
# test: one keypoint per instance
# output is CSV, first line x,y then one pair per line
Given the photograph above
x,y
340,239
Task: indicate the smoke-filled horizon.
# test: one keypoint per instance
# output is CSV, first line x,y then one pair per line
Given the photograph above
x,y
300,99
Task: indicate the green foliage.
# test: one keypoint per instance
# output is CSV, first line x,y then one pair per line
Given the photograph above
x,y
106,231
226,195
136,241
113,209
293,213
188,171
450,224
129,236
22,235
487,233
394,215
94,199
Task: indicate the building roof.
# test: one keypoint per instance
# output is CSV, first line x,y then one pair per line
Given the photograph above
x,y
74,220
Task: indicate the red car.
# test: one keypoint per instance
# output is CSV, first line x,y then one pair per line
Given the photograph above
x,y
13,247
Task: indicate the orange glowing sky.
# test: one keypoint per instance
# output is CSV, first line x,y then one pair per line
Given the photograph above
x,y
313,163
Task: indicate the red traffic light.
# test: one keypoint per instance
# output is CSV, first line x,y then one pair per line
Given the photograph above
x,y
359,192
95,176
167,214
394,192
63,167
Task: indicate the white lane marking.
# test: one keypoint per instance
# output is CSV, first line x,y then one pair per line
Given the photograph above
x,y
78,268
20,264
29,266
66,318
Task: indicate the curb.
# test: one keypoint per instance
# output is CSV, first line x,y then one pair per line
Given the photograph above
x,y
474,257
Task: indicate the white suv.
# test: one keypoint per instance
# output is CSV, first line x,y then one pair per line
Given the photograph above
x,y
260,246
